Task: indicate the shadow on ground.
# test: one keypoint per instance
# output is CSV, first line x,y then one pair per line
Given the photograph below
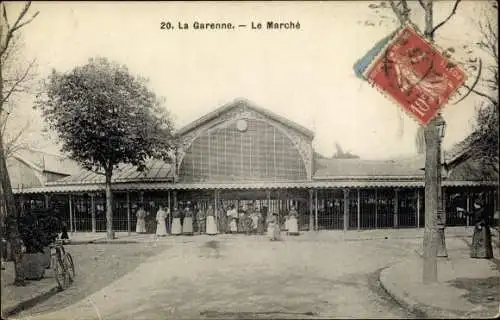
x,y
97,265
480,291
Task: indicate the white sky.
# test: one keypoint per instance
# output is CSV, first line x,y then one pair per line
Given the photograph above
x,y
305,75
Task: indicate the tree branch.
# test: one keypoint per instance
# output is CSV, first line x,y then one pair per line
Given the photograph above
x,y
3,122
490,42
16,26
13,144
453,11
17,82
402,14
484,95
421,3
4,12
474,84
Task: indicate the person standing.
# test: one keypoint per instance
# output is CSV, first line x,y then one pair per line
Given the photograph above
x,y
232,215
64,231
287,221
293,226
240,222
161,227
167,219
263,219
254,216
273,228
141,220
187,224
202,222
210,222
221,219
176,222
481,247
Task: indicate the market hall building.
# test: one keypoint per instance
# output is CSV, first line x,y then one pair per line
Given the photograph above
x,y
245,155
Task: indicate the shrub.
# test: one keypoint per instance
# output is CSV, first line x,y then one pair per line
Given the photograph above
x,y
38,229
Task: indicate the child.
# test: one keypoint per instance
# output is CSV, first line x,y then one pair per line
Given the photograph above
x,y
64,231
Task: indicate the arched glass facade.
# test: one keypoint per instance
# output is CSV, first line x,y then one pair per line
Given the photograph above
x,y
258,152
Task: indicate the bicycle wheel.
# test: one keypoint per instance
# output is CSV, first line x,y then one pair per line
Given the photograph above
x,y
59,273
70,267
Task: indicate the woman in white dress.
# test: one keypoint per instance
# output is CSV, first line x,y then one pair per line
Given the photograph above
x,y
187,224
293,226
161,226
287,221
273,228
211,225
176,222
141,220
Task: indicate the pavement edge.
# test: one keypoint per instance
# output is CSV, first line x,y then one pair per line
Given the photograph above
x,y
29,303
405,300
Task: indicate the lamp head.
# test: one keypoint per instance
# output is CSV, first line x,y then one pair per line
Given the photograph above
x,y
441,126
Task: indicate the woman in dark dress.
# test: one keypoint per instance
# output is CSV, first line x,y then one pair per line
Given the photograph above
x,y
481,240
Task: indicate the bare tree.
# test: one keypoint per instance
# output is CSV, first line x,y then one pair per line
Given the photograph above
x,y
427,138
13,134
18,79
482,143
9,29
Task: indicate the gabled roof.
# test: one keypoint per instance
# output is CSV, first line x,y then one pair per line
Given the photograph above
x,y
459,152
335,169
46,162
157,170
247,104
472,169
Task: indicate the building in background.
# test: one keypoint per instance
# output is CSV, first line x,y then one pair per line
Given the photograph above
x,y
32,168
243,155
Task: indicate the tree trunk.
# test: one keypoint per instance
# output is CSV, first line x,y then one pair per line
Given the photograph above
x,y
432,157
431,195
11,212
109,207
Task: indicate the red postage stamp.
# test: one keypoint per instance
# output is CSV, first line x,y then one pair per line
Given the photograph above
x,y
415,74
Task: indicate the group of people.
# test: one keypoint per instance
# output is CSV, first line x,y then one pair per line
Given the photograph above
x,y
182,221
248,221
252,222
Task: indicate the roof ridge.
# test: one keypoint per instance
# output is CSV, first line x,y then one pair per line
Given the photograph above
x,y
46,153
246,102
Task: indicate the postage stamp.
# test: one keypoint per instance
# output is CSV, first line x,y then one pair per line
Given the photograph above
x,y
415,74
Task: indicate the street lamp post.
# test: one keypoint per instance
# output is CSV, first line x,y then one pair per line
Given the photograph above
x,y
434,244
441,212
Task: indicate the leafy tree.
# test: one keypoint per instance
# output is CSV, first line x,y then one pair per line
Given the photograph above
x,y
482,144
103,117
10,83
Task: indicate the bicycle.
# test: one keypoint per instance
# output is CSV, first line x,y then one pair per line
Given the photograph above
x,y
62,264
